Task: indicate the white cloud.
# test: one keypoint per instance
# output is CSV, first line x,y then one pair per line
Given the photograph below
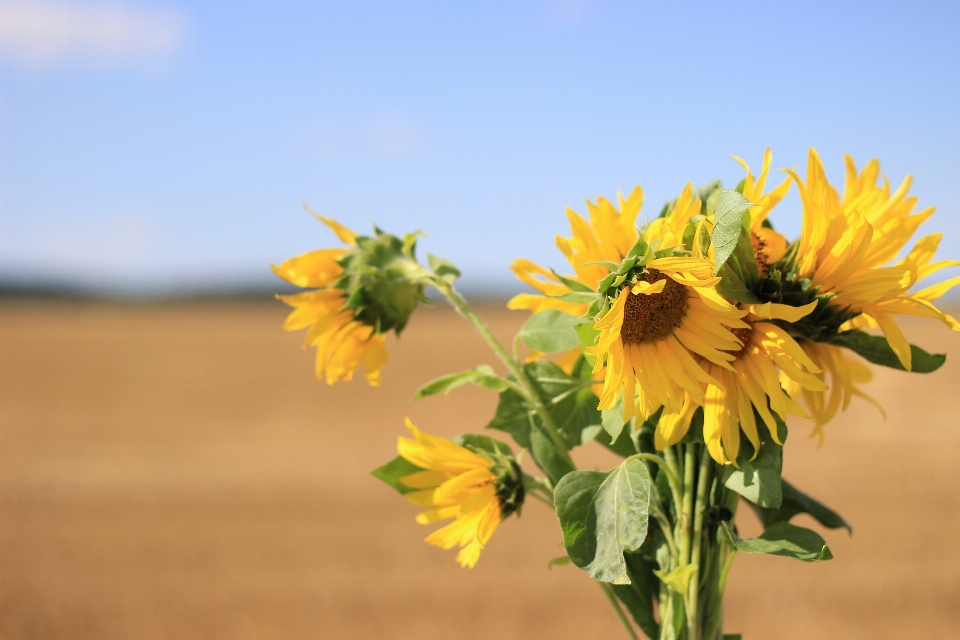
x,y
44,34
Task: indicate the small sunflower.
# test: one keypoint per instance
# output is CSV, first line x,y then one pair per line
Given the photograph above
x,y
475,489
750,385
849,244
362,292
659,331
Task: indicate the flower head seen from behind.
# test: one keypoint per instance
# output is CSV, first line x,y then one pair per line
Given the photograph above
x,y
477,488
360,292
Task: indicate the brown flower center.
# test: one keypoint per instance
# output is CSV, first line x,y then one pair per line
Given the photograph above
x,y
743,335
758,246
650,318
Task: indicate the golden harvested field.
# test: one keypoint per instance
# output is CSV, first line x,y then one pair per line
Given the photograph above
x,y
175,471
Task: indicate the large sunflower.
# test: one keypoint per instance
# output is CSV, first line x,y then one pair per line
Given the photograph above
x,y
458,483
849,246
343,342
659,331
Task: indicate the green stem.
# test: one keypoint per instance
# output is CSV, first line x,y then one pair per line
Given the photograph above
x,y
686,508
671,476
611,596
528,391
702,482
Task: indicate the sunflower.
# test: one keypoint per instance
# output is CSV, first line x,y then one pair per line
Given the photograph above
x,y
459,483
750,386
659,331
768,245
849,244
845,374
345,325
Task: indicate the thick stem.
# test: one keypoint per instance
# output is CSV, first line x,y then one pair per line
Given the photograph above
x,y
703,480
529,392
611,596
686,508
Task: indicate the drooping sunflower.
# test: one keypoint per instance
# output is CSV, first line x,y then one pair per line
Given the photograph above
x,y
659,332
849,245
476,490
751,384
362,292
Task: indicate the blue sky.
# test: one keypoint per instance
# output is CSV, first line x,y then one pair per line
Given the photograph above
x,y
160,146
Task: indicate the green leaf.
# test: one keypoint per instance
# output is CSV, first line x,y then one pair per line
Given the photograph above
x,y
612,419
729,222
445,269
794,502
394,470
603,515
483,376
558,562
877,350
512,416
783,539
758,480
638,595
678,579
550,331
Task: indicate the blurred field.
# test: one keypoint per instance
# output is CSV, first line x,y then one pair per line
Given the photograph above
x,y
175,471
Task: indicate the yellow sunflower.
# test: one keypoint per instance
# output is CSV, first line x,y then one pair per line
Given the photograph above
x,y
750,383
768,245
658,333
343,343
848,247
455,483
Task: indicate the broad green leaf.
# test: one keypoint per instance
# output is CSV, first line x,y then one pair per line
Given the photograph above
x,y
445,269
877,350
547,456
603,515
558,562
729,222
394,470
758,480
550,331
581,422
678,579
512,416
483,376
638,595
794,502
783,539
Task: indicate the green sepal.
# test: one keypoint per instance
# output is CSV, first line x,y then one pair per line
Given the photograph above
x,y
477,443
877,350
604,515
794,502
394,470
483,376
575,285
550,331
732,287
576,297
639,248
782,539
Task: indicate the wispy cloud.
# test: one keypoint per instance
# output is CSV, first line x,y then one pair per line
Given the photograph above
x,y
44,34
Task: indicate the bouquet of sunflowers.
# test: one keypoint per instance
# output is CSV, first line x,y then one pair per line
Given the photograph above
x,y
681,345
